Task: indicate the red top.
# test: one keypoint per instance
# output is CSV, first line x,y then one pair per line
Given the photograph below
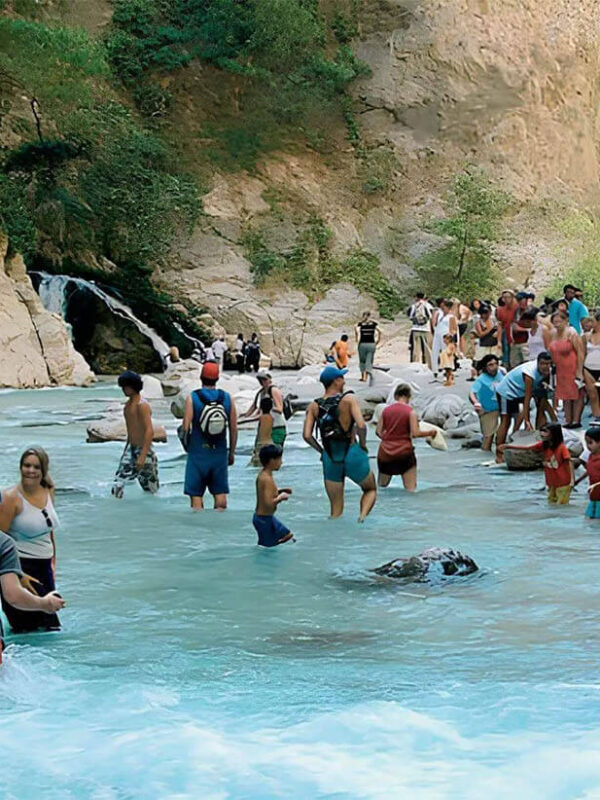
x,y
506,316
395,437
557,464
593,471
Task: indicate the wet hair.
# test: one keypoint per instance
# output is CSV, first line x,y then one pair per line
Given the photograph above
x,y
544,356
269,453
344,337
42,457
487,359
402,390
593,433
131,379
266,405
556,435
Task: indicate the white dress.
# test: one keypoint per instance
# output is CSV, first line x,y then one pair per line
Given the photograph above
x,y
441,329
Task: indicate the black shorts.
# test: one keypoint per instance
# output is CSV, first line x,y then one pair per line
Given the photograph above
x,y
462,328
397,466
510,407
595,373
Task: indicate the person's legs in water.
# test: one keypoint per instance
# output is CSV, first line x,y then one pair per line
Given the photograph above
x,y
369,496
126,472
383,479
335,493
148,475
409,479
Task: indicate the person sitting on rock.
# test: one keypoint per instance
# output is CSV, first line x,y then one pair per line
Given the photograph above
x,y
139,461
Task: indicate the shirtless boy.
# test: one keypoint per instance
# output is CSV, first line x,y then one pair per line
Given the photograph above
x,y
270,530
138,461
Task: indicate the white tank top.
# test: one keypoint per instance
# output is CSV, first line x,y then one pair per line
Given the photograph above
x,y
592,356
443,325
536,343
31,529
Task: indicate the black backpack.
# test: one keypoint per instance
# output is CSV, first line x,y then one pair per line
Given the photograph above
x,y
288,409
328,421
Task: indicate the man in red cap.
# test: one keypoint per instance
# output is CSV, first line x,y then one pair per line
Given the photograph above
x,y
211,421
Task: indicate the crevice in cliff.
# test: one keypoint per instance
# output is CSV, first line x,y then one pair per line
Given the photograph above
x,y
37,333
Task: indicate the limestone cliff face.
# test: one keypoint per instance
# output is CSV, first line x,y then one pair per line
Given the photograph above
x,y
35,348
508,85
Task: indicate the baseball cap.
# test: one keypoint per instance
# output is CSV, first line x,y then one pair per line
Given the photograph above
x,y
263,375
210,370
329,374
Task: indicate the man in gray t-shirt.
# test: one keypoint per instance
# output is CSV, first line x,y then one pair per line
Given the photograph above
x,y
12,591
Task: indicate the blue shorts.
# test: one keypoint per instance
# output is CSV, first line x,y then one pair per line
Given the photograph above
x,y
354,465
269,529
593,509
207,469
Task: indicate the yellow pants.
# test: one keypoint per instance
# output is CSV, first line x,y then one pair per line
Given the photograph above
x,y
559,494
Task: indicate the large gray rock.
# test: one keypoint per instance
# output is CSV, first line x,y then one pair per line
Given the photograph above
x,y
447,411
435,562
114,430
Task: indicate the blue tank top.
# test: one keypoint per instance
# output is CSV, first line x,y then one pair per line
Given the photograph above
x,y
198,440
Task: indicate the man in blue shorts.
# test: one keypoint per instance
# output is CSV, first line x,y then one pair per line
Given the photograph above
x,y
210,421
340,423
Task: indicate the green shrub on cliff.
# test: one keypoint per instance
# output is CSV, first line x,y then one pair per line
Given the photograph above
x,y
581,235
309,265
465,263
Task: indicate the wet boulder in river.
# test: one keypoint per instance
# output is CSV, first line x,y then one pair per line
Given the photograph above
x,y
435,561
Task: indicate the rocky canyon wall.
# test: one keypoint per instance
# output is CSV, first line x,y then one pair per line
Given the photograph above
x,y
35,348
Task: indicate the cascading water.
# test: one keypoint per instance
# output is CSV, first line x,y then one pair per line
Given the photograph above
x,y
55,292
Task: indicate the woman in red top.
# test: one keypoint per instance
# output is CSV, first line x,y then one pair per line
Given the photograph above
x,y
568,355
558,469
397,427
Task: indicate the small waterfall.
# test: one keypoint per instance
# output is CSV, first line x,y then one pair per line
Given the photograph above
x,y
54,292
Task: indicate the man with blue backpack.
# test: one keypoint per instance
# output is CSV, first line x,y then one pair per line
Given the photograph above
x,y
210,428
343,448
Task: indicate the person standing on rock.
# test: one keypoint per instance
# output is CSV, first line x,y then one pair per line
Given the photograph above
x,y
368,336
420,314
253,354
28,516
219,348
240,349
210,421
445,323
338,418
138,461
397,427
268,389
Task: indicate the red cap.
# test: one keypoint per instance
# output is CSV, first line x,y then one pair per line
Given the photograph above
x,y
210,370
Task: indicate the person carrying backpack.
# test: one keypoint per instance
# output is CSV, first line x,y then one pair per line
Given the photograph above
x,y
420,331
343,447
210,422
280,411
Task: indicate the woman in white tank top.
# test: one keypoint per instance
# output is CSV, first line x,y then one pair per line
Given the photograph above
x,y
591,366
27,514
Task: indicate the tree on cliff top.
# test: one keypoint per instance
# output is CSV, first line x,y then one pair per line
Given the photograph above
x,y
465,263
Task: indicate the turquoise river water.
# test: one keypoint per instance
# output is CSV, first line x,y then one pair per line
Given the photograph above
x,y
193,664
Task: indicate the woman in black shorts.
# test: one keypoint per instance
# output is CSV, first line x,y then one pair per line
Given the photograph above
x,y
397,427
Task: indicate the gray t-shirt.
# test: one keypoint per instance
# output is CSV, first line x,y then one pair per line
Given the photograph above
x,y
9,560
